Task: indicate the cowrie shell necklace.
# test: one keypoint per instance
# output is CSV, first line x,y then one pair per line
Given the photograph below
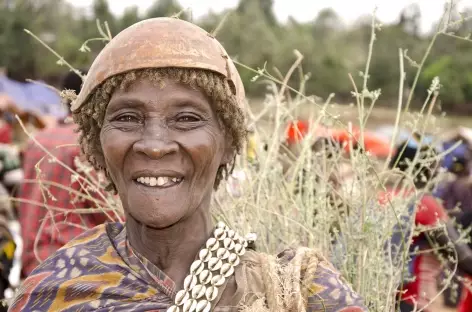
x,y
216,262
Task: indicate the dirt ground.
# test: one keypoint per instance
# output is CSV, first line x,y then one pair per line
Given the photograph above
x,y
378,117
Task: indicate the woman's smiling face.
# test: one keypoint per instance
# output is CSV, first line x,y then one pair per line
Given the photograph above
x,y
162,148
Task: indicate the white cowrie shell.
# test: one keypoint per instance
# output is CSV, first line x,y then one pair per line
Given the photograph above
x,y
220,234
252,237
233,259
173,308
197,267
212,244
238,248
222,253
203,306
218,280
205,277
211,293
228,243
181,297
190,305
204,254
231,233
198,291
221,225
190,281
214,264
242,252
227,270
236,237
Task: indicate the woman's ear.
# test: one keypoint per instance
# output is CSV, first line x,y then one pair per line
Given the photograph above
x,y
229,151
228,155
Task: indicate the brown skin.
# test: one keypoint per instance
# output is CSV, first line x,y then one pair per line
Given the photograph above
x,y
165,131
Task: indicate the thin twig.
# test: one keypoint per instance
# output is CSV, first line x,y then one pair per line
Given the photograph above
x,y
399,108
61,59
40,83
289,74
220,25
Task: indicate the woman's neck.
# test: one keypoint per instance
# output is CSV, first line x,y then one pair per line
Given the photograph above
x,y
172,249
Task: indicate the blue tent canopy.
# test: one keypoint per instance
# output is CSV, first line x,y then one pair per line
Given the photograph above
x,y
404,135
387,132
33,97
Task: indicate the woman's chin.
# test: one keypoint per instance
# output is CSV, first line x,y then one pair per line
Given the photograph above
x,y
154,222
161,209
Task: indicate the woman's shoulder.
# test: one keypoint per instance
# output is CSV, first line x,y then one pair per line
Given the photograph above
x,y
97,232
306,272
94,244
91,257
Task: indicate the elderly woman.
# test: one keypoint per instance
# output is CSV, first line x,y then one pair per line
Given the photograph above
x,y
162,114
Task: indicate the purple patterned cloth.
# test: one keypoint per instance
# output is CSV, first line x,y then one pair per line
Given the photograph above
x,y
99,271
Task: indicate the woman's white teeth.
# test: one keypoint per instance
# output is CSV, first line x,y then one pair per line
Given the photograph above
x,y
162,181
159,181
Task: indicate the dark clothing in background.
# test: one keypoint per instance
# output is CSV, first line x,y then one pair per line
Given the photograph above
x,y
457,193
466,222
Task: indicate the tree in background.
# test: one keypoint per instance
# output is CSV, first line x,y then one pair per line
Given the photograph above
x,y
101,11
252,34
130,17
163,8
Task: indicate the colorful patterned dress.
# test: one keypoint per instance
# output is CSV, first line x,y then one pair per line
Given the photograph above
x,y
99,271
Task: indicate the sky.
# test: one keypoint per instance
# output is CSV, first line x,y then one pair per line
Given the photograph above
x,y
306,10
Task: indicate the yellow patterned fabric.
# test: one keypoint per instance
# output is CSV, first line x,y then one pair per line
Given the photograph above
x,y
251,148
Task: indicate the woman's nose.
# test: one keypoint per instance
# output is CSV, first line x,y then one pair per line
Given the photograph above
x,y
155,144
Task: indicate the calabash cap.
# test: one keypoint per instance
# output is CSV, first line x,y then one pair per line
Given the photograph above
x,y
160,43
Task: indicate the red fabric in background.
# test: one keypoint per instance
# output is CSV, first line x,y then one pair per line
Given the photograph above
x,y
6,134
54,229
428,212
296,131
466,302
374,144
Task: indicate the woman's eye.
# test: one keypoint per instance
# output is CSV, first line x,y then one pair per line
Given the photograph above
x,y
187,118
126,118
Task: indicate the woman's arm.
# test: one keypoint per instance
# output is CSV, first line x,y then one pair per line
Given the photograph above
x,y
452,236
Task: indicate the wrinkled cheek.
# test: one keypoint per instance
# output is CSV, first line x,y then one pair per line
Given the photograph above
x,y
111,154
206,157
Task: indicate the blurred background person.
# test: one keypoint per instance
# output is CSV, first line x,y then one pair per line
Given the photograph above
x,y
43,229
465,292
424,265
456,195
